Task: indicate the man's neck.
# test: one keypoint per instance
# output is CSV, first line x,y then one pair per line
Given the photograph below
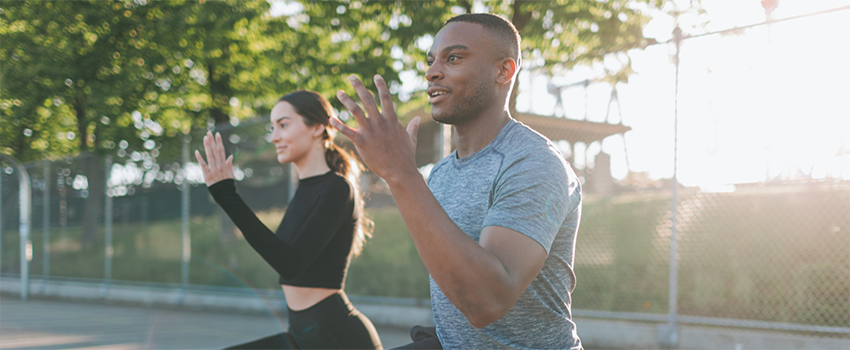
x,y
476,134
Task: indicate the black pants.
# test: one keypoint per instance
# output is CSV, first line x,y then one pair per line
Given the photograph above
x,y
423,338
332,323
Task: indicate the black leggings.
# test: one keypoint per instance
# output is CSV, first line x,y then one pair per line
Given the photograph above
x,y
332,323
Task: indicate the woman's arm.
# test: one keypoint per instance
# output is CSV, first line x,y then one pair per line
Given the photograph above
x,y
289,260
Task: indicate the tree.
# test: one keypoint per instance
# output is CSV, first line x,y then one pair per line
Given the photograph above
x,y
84,76
76,71
556,35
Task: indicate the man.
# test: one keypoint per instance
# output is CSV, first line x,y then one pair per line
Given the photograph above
x,y
496,223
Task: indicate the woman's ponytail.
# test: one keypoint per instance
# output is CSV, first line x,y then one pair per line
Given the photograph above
x,y
342,162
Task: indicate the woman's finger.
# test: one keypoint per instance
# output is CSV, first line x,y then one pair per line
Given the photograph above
x,y
201,162
208,150
219,149
228,169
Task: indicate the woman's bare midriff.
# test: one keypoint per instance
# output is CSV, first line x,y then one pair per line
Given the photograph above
x,y
300,298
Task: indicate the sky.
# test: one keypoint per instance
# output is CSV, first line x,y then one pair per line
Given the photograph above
x,y
767,103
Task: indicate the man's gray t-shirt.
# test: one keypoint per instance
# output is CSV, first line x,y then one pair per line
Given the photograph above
x,y
519,181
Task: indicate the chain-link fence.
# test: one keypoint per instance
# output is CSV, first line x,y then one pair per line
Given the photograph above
x,y
134,231
759,222
770,252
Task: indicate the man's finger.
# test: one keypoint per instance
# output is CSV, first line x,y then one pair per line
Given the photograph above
x,y
352,107
365,97
413,128
350,133
386,98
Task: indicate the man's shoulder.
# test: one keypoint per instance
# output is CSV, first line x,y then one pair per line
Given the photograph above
x,y
524,144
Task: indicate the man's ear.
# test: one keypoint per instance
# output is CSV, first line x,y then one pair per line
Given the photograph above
x,y
508,68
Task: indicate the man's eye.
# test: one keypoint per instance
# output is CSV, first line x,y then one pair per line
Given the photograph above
x,y
453,58
430,62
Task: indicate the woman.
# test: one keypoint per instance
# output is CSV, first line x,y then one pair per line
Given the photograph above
x,y
320,231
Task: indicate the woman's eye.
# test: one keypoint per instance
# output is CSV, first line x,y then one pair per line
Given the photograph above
x,y
430,62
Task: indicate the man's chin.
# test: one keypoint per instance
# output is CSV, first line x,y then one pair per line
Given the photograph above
x,y
442,117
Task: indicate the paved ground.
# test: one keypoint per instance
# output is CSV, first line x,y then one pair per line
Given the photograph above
x,y
49,324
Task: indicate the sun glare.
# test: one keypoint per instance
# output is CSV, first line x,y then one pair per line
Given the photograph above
x,y
767,103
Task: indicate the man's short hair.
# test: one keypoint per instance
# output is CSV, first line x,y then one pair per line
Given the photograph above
x,y
502,29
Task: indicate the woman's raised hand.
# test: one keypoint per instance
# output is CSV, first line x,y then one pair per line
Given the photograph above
x,y
216,168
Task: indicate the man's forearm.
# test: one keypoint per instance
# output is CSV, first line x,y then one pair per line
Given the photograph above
x,y
471,277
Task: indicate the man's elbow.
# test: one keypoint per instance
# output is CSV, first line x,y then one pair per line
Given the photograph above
x,y
486,314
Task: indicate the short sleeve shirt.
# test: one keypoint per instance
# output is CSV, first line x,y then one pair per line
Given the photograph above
x,y
519,181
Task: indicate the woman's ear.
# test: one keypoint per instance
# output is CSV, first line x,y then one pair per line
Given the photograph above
x,y
318,130
507,69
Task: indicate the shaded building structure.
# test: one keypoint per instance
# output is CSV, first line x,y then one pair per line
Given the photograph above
x,y
434,142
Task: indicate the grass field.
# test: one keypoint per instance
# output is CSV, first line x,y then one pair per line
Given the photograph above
x,y
770,254
152,253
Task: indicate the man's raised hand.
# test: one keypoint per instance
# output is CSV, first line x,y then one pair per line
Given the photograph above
x,y
217,167
387,148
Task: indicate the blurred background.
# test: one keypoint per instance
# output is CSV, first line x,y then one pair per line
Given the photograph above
x,y
712,139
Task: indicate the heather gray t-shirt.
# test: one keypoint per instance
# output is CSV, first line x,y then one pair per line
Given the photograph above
x,y
519,181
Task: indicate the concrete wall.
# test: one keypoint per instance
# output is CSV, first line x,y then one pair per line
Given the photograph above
x,y
200,299
616,334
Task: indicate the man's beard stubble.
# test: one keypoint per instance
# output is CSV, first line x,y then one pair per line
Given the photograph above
x,y
460,112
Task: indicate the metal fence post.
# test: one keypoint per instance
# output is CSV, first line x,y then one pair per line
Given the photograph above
x,y
25,200
1,217
107,221
187,242
670,337
293,182
45,221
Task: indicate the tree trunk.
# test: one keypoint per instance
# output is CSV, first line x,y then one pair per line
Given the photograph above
x,y
93,170
519,19
220,92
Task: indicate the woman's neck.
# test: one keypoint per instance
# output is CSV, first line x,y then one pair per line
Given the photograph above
x,y
312,164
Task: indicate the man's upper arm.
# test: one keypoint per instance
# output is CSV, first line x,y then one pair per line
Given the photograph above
x,y
521,256
531,200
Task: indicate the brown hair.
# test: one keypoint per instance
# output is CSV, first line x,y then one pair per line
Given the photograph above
x,y
315,109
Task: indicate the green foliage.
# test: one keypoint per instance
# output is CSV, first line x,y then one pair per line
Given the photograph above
x,y
73,67
86,66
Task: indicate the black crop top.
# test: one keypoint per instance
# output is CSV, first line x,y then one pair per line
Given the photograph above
x,y
312,245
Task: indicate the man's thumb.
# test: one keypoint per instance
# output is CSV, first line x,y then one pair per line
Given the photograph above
x,y
413,128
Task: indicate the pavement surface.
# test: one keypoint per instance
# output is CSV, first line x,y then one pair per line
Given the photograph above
x,y
51,324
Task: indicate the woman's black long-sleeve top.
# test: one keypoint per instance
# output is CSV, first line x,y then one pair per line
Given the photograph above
x,y
312,245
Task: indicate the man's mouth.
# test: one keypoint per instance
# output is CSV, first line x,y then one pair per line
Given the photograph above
x,y
437,94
